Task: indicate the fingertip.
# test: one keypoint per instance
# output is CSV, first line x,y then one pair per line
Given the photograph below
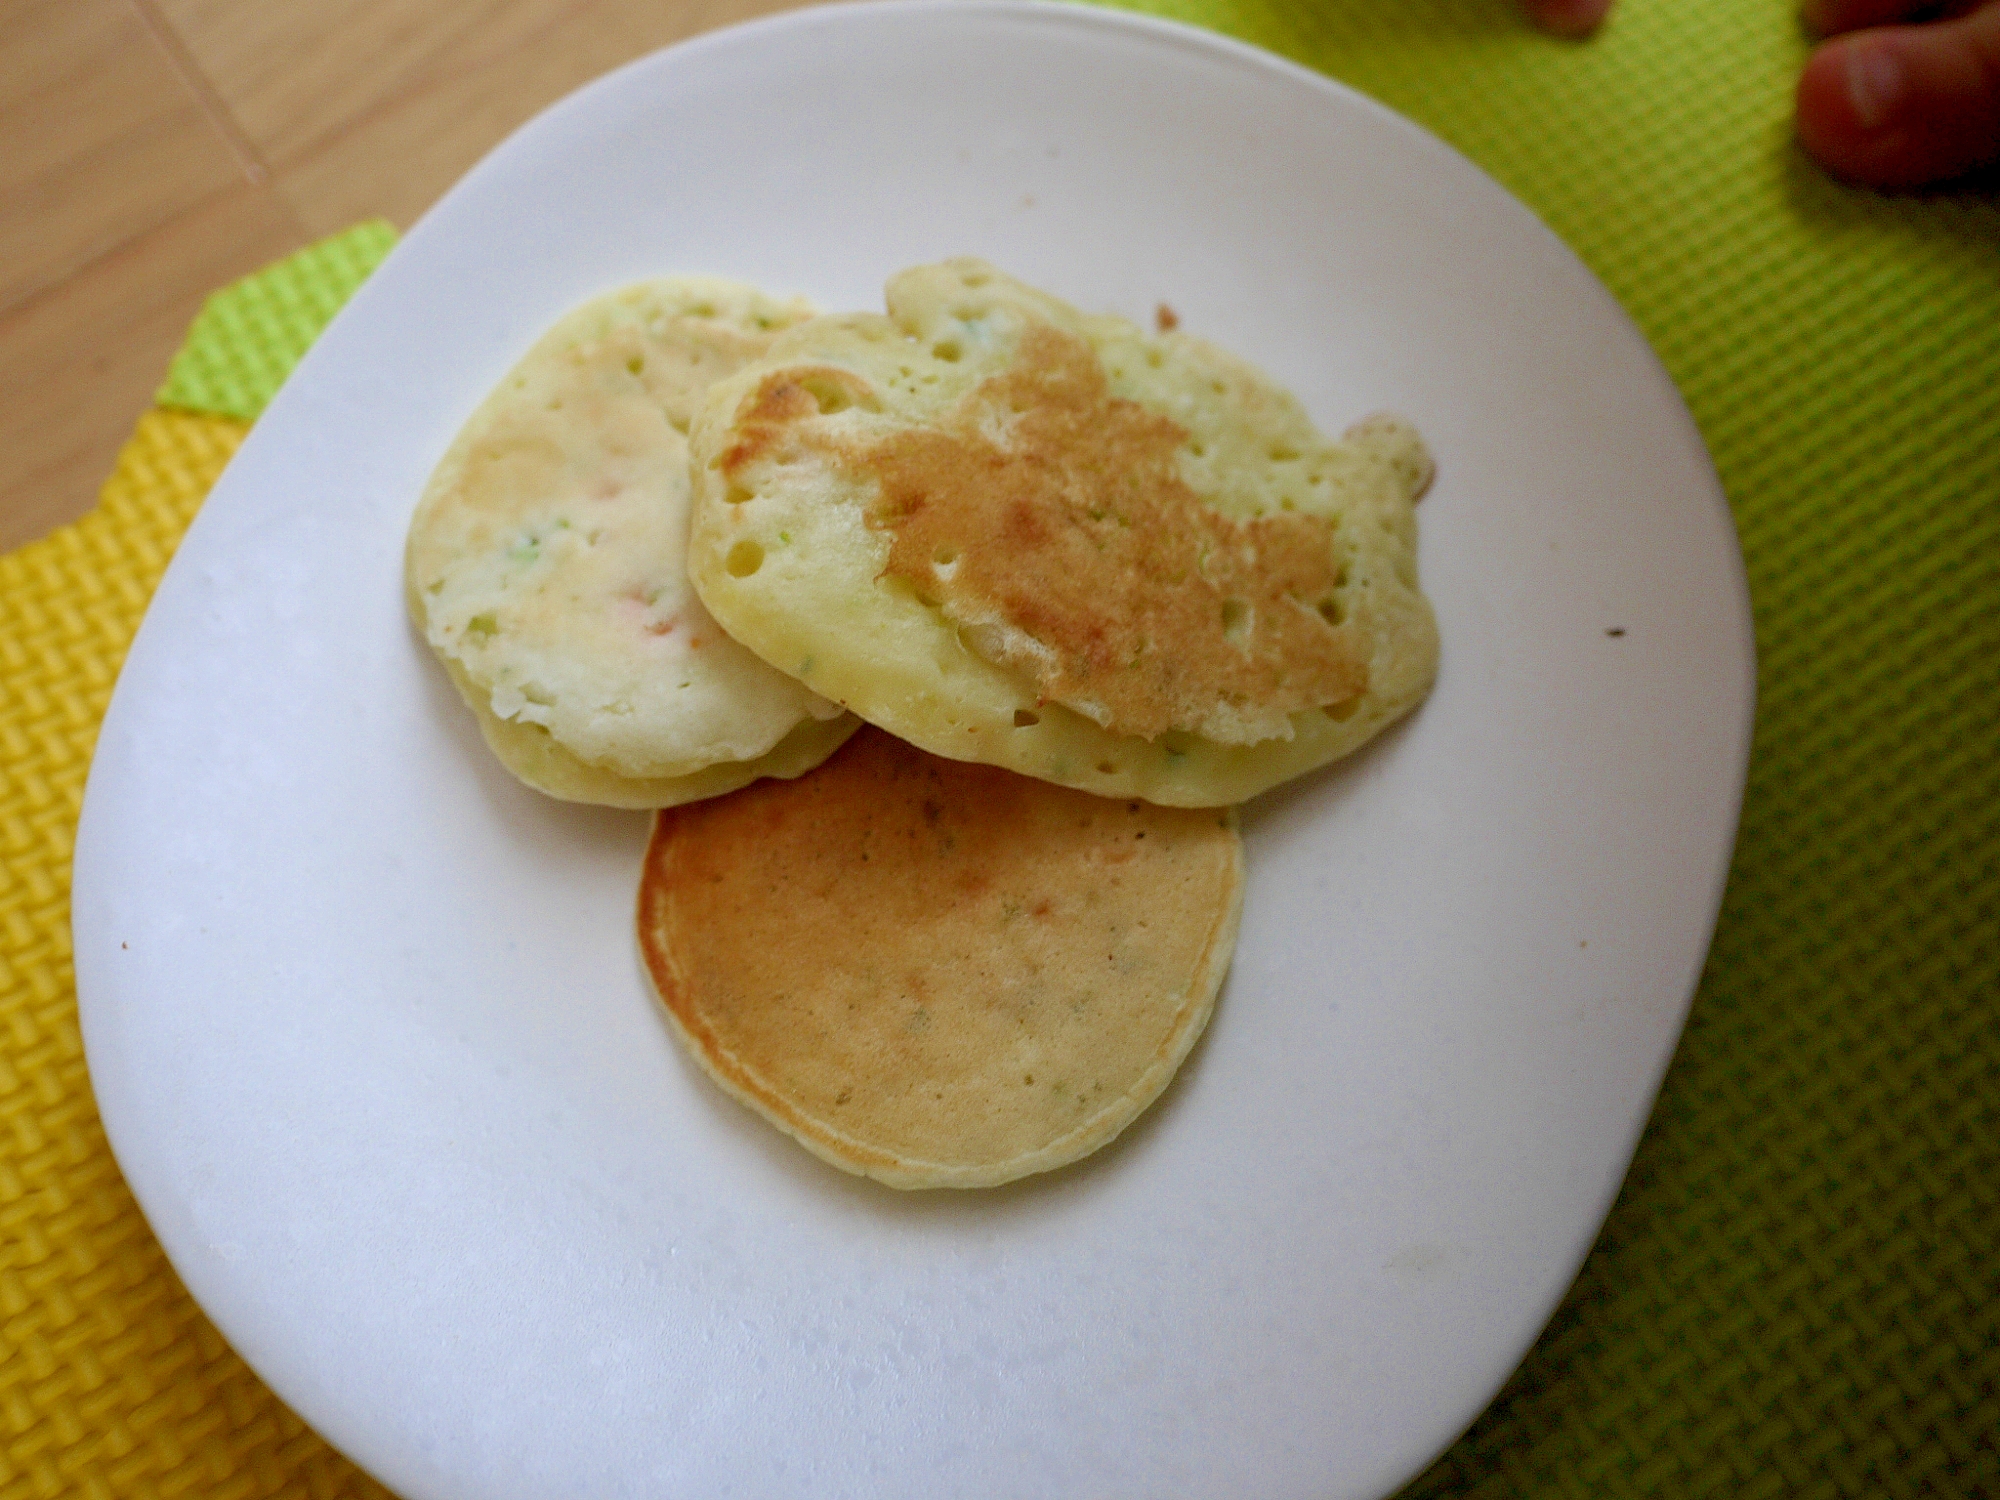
x,y
1568,18
1850,98
1902,106
1828,124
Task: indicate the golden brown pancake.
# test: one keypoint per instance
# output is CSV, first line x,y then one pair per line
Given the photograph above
x,y
936,973
1011,533
1051,518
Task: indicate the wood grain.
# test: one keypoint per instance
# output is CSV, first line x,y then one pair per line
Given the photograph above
x,y
397,157
295,76
82,359
152,150
100,140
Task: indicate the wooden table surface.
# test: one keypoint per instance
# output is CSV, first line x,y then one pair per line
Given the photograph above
x,y
152,150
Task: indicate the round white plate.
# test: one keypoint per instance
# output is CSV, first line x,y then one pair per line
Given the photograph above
x,y
365,1020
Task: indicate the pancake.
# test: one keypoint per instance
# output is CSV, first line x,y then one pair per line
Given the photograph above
x,y
546,562
935,973
1118,560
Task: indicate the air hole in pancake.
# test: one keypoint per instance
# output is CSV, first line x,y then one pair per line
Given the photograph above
x,y
1106,768
636,364
944,557
736,494
832,396
1330,610
948,351
745,558
1024,719
1340,713
1235,617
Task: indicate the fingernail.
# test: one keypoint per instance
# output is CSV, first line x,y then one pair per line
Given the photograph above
x,y
1875,83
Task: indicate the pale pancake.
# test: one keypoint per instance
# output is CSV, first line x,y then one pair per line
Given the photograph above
x,y
546,562
531,753
934,973
1122,561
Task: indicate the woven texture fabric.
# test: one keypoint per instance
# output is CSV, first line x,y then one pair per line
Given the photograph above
x,y
1798,1292
249,335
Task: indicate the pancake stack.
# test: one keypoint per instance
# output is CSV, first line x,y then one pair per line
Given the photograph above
x,y
1090,586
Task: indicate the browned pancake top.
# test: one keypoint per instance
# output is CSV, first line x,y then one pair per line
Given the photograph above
x,y
934,972
1050,517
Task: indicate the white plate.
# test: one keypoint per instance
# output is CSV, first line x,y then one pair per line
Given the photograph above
x,y
364,1017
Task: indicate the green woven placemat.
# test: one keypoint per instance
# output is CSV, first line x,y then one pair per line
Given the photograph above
x,y
1798,1292
249,335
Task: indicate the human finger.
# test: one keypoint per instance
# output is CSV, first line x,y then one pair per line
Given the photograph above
x,y
1567,17
1831,17
1900,106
